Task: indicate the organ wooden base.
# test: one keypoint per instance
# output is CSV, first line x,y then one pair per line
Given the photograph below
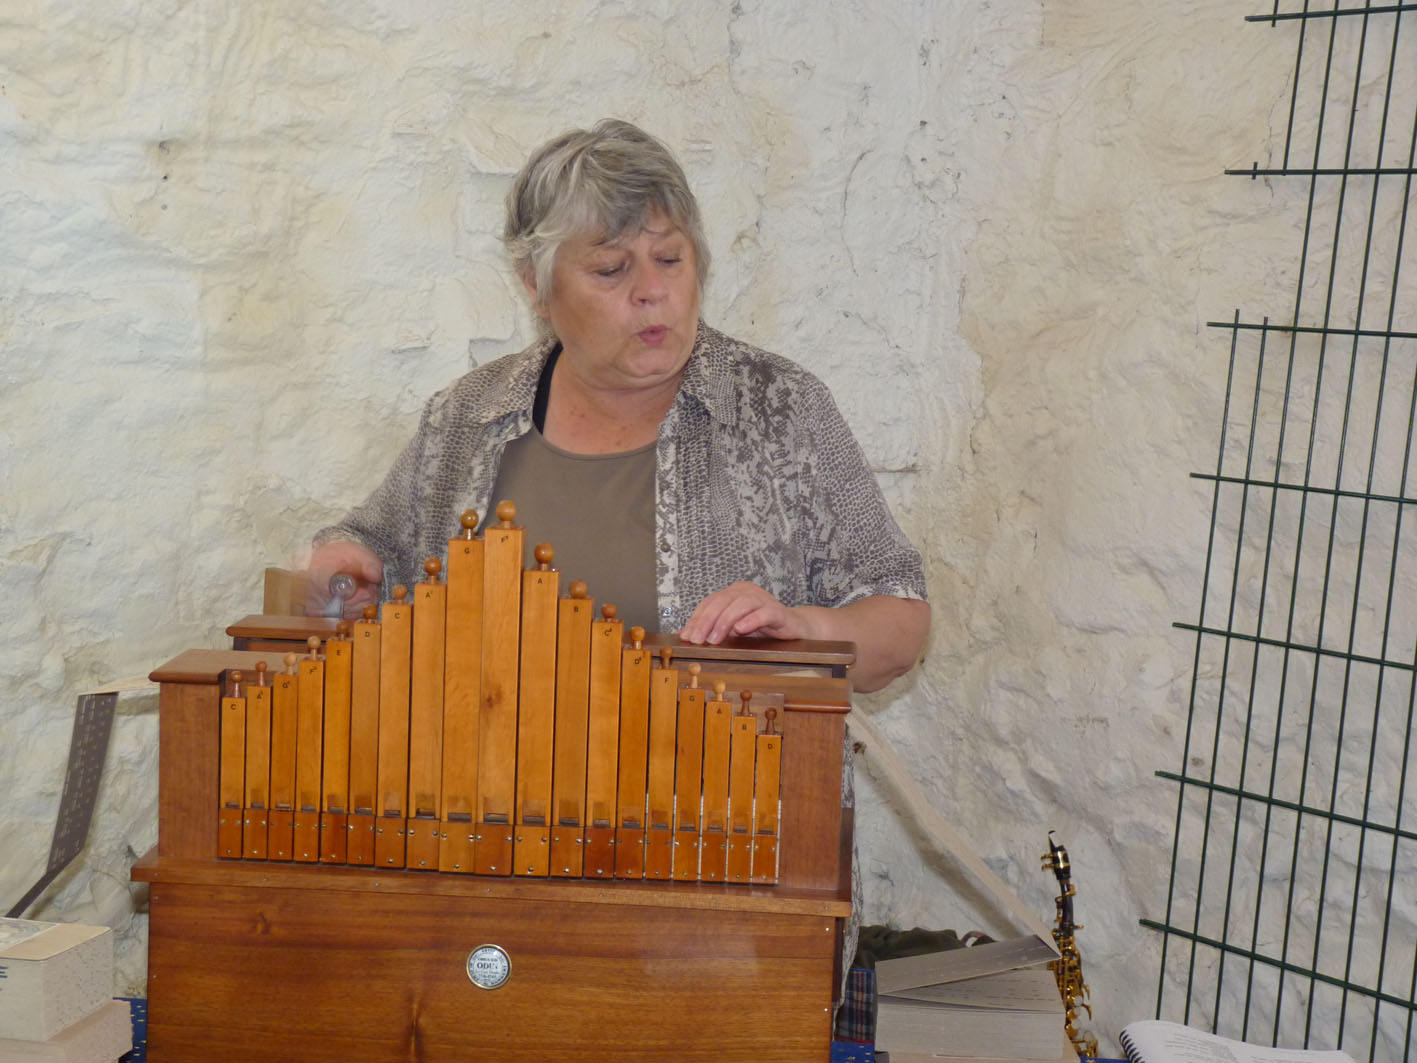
x,y
257,963
266,960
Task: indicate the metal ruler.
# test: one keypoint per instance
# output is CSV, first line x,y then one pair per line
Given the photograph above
x,y
88,748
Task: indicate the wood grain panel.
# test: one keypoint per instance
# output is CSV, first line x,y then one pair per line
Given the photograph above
x,y
391,800
189,729
258,770
384,977
462,694
363,739
497,725
568,780
536,717
425,719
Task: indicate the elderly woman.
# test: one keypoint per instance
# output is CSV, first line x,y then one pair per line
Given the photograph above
x,y
684,475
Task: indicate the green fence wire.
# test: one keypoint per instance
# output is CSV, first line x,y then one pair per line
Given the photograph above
x,y
1291,916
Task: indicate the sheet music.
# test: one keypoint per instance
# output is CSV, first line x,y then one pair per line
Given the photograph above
x,y
1157,1041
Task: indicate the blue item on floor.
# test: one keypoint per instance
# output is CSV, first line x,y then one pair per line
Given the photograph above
x,y
139,1008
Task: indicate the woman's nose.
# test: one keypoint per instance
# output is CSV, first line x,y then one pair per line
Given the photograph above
x,y
649,286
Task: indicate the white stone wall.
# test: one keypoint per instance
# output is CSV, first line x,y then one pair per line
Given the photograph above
x,y
241,243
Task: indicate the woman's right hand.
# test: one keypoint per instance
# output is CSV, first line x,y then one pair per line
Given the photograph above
x,y
340,556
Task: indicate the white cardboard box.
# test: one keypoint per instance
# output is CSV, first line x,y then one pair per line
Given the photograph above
x,y
101,1038
51,976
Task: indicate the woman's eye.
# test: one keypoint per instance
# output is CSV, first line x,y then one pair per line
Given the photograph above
x,y
607,271
673,260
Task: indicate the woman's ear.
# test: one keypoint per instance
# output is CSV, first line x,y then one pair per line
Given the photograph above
x,y
538,307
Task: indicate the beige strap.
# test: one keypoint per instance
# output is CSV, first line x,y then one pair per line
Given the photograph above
x,y
934,824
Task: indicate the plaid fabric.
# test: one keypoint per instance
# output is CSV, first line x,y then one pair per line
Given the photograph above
x,y
856,1018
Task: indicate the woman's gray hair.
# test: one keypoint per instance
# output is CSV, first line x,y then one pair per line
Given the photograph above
x,y
607,181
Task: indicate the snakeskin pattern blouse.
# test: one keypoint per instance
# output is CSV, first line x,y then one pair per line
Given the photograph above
x,y
758,478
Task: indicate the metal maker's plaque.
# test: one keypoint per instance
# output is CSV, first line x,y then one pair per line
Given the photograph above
x,y
489,966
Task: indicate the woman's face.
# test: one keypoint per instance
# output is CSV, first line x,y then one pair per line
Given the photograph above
x,y
626,312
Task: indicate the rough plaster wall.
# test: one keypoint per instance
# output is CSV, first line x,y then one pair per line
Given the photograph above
x,y
242,243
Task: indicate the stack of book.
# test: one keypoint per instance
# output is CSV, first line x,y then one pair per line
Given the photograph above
x,y
56,995
986,1003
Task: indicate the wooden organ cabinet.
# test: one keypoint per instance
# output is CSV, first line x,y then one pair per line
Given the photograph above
x,y
487,823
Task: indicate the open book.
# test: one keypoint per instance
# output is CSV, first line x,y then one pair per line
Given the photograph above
x,y
1155,1041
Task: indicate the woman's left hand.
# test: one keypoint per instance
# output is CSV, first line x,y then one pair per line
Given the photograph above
x,y
889,633
744,608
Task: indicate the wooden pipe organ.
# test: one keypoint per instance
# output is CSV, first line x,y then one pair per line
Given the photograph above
x,y
439,738
486,763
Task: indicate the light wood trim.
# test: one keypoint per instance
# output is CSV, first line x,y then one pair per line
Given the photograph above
x,y
232,780
339,666
603,724
309,739
309,758
602,744
688,782
743,748
285,714
713,826
461,702
258,771
663,724
497,728
568,780
633,757
391,798
425,714
364,717
536,720
766,796
659,794
634,738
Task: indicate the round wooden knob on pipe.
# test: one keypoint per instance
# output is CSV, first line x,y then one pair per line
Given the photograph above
x,y
468,521
432,567
506,513
637,637
543,554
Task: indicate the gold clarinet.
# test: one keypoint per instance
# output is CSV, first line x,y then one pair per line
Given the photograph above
x,y
1067,968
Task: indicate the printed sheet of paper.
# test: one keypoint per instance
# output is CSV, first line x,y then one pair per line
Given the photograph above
x,y
1157,1041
